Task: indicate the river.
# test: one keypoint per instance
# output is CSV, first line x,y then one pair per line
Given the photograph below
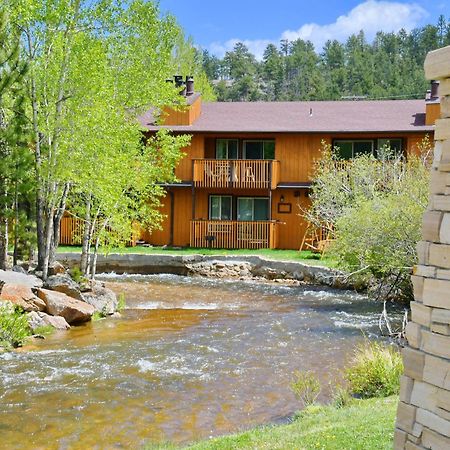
x,y
189,358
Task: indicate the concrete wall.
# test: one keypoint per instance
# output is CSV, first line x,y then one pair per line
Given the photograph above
x,y
423,417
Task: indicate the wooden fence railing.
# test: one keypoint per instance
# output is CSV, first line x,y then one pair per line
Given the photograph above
x,y
233,234
236,173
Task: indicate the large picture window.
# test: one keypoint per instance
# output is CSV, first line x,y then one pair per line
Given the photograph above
x,y
351,148
259,149
226,149
220,207
252,208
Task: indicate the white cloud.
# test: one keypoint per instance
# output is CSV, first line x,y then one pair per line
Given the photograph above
x,y
370,16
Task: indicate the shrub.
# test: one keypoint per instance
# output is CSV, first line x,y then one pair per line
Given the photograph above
x,y
121,304
14,328
306,387
374,371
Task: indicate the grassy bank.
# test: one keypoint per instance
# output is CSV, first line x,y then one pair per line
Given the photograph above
x,y
364,424
305,257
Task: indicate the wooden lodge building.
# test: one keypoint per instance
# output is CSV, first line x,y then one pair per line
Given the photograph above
x,y
250,164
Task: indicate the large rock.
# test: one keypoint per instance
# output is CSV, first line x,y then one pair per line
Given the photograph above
x,y
41,319
10,277
64,284
21,296
59,304
56,269
104,300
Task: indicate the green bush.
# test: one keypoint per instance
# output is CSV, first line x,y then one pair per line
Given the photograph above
x,y
306,387
374,371
121,304
14,328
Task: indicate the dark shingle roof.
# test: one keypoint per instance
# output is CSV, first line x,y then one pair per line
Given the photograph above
x,y
304,117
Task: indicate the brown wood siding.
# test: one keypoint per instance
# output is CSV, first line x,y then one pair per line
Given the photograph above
x,y
195,150
414,141
291,226
186,115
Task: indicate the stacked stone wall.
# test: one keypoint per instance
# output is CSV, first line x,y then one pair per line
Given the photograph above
x,y
423,416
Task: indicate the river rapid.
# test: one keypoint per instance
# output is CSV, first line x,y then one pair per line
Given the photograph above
x,y
189,358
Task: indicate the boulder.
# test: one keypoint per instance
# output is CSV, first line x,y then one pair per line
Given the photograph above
x,y
59,304
21,296
64,284
104,300
56,269
41,319
10,277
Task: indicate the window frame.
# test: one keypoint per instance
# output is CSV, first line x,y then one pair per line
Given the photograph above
x,y
211,196
352,141
244,148
253,208
228,154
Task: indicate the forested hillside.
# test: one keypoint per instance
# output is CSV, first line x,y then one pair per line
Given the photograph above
x,y
391,66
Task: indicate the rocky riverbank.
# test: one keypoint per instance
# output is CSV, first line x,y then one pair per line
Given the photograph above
x,y
243,268
59,302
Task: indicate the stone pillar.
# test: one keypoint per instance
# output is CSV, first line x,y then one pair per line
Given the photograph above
x,y
423,416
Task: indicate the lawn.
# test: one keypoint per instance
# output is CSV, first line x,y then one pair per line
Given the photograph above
x,y
305,257
362,425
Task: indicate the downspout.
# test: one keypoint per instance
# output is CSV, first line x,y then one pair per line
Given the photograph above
x,y
172,219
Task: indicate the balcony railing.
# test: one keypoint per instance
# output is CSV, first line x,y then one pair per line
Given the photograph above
x,y
236,173
234,234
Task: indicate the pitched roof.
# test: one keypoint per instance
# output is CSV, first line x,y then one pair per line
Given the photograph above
x,y
305,117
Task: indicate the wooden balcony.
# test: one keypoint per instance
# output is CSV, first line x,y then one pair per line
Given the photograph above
x,y
236,173
234,234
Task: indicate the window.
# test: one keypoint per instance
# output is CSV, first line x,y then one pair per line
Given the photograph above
x,y
350,149
394,144
259,149
252,208
220,207
226,149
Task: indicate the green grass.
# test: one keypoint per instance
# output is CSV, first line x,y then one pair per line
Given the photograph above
x,y
306,257
364,424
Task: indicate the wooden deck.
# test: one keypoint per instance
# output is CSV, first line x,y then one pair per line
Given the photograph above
x,y
233,234
236,173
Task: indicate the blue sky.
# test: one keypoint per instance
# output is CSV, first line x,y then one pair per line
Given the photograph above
x,y
217,25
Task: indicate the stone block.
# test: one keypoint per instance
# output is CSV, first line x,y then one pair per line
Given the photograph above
x,y
443,274
424,395
440,203
425,271
436,293
439,255
437,64
444,86
433,421
431,225
422,250
406,416
413,334
412,446
413,361
418,287
445,106
444,234
438,182
431,439
443,399
439,315
420,314
406,387
399,439
442,131
440,328
437,371
436,344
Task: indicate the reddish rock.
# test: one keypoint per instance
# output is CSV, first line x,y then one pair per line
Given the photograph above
x,y
59,304
22,296
56,269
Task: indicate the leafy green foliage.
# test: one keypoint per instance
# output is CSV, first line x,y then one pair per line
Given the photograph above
x,y
374,370
121,303
388,67
14,328
306,387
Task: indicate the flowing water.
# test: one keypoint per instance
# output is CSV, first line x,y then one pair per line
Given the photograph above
x,y
189,358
